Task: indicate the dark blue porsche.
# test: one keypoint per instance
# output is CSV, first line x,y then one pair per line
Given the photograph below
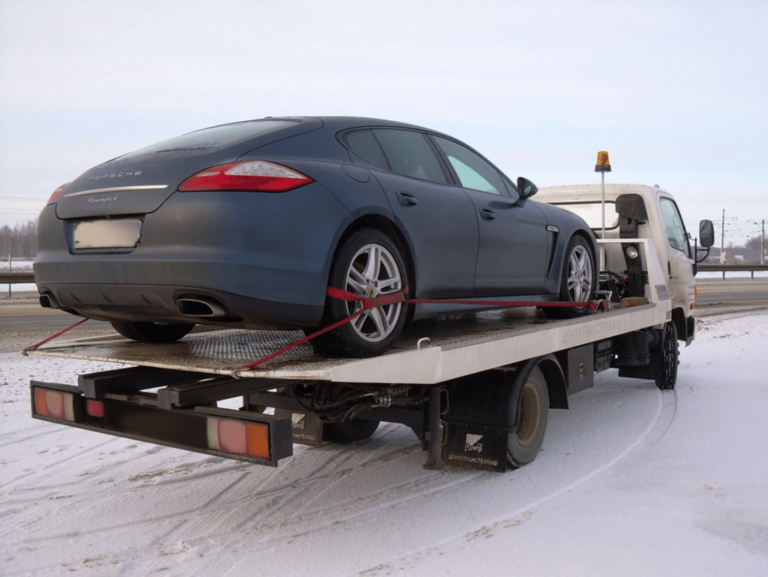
x,y
245,225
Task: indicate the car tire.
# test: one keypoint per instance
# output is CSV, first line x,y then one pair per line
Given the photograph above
x,y
349,431
525,442
579,279
148,332
364,262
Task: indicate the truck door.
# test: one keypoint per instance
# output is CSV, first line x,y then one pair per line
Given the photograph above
x,y
679,265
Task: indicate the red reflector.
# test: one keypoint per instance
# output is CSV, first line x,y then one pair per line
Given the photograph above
x,y
94,408
57,194
252,176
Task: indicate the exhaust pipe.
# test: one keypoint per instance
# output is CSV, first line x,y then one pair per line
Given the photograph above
x,y
48,301
200,307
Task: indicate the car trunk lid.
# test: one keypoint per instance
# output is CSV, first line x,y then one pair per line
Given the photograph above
x,y
141,181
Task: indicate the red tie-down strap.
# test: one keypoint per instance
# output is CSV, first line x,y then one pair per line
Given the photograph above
x,y
400,297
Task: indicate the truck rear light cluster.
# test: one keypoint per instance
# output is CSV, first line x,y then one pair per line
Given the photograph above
x,y
239,437
55,404
252,176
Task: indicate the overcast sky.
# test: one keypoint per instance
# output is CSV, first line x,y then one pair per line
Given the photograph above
x,y
677,92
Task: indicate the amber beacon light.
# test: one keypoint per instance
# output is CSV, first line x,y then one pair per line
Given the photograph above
x,y
603,163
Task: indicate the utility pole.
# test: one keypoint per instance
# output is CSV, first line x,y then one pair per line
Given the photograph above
x,y
722,239
762,243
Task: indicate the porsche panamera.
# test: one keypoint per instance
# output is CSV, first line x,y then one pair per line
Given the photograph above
x,y
246,225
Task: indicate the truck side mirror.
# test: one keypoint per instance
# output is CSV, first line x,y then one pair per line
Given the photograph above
x,y
706,233
526,187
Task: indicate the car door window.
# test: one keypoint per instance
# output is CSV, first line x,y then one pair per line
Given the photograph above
x,y
409,153
678,238
472,170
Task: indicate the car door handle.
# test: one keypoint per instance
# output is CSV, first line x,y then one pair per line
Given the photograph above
x,y
486,214
406,199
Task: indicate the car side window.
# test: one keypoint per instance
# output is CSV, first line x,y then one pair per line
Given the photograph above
x,y
678,238
472,170
363,143
409,153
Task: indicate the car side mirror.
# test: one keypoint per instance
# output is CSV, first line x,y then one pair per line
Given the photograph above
x,y
706,233
525,187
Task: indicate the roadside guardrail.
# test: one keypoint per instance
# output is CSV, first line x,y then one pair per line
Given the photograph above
x,y
724,268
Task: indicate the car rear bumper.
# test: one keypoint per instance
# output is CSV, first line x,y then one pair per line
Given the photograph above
x,y
264,258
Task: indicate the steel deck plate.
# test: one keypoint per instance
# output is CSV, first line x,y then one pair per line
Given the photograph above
x,y
460,345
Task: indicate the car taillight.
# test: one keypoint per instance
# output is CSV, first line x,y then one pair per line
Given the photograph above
x,y
239,437
57,194
252,176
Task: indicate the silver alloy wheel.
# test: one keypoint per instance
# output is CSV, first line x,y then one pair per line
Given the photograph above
x,y
374,272
580,274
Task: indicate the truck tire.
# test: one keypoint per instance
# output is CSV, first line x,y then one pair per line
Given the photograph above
x,y
349,431
665,358
149,332
525,442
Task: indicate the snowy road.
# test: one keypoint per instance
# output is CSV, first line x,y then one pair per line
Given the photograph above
x,y
631,481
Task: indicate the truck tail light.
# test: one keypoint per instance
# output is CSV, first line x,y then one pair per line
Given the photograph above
x,y
252,176
55,404
239,437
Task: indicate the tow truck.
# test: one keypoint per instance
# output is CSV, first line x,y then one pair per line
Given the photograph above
x,y
474,388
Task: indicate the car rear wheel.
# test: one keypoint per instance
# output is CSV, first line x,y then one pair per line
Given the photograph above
x,y
579,279
148,332
369,264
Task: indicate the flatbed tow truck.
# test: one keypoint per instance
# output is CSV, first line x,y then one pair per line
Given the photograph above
x,y
474,388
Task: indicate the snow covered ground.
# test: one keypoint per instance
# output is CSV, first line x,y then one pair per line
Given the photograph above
x,y
631,481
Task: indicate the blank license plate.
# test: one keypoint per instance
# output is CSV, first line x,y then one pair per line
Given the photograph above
x,y
122,233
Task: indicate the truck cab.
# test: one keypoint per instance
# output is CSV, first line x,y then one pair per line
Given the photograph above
x,y
638,211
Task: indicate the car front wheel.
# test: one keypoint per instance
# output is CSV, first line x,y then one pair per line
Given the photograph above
x,y
579,279
369,264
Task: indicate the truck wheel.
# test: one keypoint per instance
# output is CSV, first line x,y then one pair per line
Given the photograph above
x,y
665,358
578,281
525,442
368,263
152,332
349,431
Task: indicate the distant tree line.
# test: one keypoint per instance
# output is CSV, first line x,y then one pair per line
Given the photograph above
x,y
19,241
747,253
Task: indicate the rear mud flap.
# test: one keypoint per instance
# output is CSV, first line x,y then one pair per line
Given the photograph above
x,y
307,427
475,447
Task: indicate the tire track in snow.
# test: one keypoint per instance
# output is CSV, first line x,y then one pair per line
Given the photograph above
x,y
654,433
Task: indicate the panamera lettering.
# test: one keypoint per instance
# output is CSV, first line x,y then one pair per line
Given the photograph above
x,y
116,175
102,199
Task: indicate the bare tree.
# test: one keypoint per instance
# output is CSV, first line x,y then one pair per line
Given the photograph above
x,y
19,241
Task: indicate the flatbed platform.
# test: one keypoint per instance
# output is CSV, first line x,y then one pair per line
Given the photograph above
x,y
458,345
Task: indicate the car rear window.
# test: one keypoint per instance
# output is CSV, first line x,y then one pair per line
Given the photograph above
x,y
211,139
